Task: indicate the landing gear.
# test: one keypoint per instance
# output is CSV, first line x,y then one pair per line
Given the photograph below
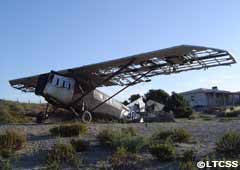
x,y
86,117
42,116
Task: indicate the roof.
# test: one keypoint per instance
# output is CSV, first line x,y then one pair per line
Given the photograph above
x,y
205,90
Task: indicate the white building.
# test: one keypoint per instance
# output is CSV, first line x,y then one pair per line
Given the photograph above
x,y
211,97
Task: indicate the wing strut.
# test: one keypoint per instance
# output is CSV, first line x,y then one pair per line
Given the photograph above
x,y
130,84
105,80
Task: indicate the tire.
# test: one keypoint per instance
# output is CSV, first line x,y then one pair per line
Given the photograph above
x,y
86,117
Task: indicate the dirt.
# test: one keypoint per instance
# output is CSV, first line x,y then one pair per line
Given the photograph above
x,y
33,156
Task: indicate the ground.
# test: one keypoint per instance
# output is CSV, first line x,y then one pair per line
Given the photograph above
x,y
204,132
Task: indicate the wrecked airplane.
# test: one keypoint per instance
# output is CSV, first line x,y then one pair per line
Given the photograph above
x,y
75,89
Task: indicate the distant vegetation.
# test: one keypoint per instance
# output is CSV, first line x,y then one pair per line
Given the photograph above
x,y
15,112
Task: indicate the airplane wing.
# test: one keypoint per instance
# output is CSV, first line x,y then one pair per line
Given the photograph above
x,y
124,71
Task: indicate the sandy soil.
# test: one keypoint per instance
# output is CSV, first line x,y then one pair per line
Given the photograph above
x,y
205,134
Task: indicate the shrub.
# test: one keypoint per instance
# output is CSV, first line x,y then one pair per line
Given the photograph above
x,y
181,135
131,143
189,165
61,154
179,106
69,130
158,95
129,130
164,152
80,145
5,165
128,140
228,114
13,140
162,137
229,144
122,159
105,137
189,155
171,136
5,152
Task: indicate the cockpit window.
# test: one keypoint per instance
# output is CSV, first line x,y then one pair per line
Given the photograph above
x,y
57,82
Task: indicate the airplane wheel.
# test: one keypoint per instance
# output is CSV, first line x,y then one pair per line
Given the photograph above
x,y
86,117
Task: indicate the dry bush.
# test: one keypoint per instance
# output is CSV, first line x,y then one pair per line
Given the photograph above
x,y
13,139
61,154
69,130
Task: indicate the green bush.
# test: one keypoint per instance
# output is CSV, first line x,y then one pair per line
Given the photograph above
x,y
13,140
158,95
171,136
179,106
162,137
6,152
181,135
129,140
131,143
189,155
61,154
229,144
69,130
129,130
189,165
122,159
80,145
105,137
164,152
5,165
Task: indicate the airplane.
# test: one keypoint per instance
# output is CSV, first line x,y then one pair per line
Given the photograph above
x,y
75,89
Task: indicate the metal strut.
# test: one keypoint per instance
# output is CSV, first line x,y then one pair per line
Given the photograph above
x,y
108,78
100,104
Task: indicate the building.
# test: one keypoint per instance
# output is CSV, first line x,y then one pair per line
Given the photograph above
x,y
211,98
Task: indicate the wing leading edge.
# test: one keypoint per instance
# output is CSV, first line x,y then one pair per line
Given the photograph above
x,y
126,70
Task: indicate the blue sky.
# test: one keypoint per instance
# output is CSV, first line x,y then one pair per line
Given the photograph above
x,y
38,36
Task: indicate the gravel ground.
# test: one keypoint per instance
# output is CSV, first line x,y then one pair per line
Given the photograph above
x,y
205,134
